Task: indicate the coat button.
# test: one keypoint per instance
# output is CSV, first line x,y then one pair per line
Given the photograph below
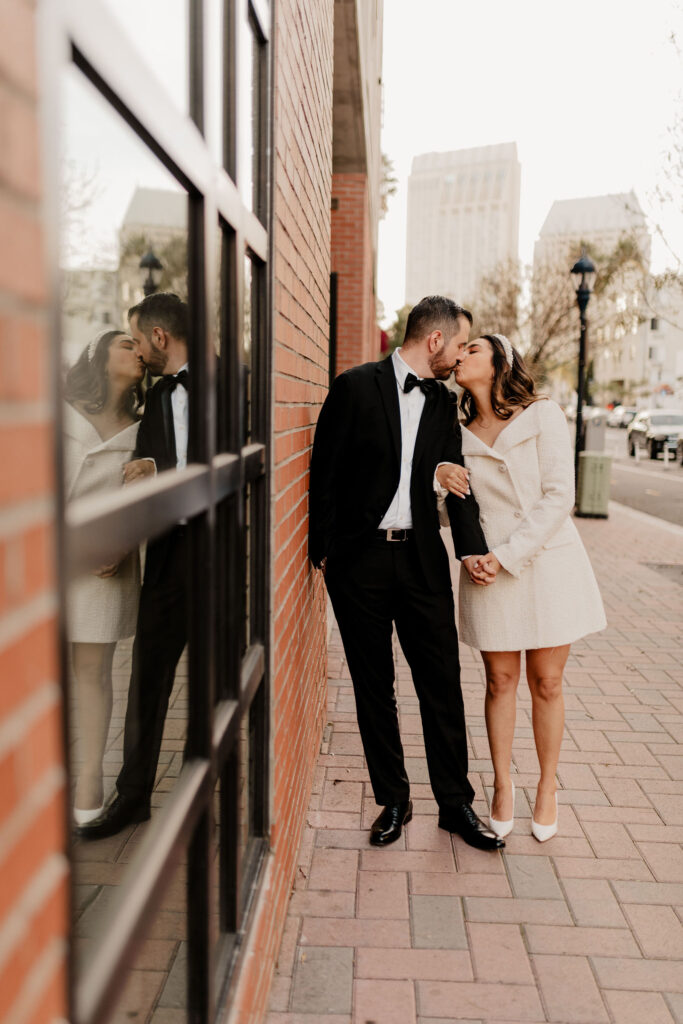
x,y
518,515
502,468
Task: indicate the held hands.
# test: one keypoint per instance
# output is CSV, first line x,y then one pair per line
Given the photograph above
x,y
482,569
454,478
138,469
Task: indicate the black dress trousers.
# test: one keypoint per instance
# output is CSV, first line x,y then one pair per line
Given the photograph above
x,y
159,641
382,585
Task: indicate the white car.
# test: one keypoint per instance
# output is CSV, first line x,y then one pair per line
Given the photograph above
x,y
655,430
620,416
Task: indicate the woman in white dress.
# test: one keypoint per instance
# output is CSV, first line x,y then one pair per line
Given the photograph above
x,y
103,393
544,596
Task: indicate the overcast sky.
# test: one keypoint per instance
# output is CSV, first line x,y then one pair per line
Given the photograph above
x,y
587,92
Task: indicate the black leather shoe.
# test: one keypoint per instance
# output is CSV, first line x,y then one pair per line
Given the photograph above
x,y
121,811
389,825
469,827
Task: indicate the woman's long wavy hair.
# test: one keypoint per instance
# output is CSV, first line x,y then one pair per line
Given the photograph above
x,y
511,386
87,382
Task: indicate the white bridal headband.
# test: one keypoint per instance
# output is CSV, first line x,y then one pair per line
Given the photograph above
x,y
92,347
507,348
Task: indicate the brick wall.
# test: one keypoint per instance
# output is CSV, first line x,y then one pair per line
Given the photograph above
x,y
358,338
303,161
33,890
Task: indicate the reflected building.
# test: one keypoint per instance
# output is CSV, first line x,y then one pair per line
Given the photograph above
x,y
91,303
155,218
463,219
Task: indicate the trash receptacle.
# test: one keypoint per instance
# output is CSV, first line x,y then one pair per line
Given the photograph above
x,y
594,432
592,492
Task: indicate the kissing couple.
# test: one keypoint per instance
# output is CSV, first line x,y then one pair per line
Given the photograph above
x,y
391,462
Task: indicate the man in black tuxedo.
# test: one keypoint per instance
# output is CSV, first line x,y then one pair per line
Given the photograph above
x,y
374,531
159,327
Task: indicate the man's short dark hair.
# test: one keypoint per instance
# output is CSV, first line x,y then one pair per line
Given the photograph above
x,y
434,313
162,309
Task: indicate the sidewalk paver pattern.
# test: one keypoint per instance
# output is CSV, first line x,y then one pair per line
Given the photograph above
x,y
585,929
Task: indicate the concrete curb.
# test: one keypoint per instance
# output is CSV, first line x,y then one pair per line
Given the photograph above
x,y
646,518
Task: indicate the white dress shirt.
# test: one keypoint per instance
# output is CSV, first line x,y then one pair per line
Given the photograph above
x,y
181,421
399,514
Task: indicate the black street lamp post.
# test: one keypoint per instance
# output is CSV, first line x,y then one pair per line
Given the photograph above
x,y
154,267
583,275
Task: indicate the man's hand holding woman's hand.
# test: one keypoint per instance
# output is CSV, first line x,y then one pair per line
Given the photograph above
x,y
482,569
454,478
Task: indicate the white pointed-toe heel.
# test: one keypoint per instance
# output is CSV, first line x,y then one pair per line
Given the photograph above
x,y
82,817
545,832
504,828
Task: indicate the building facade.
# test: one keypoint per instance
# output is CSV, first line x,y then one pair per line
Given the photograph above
x,y
619,320
463,219
233,106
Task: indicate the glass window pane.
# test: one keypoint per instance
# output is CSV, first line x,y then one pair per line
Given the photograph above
x,y
216,59
124,235
160,31
155,990
225,331
126,419
247,364
126,628
248,94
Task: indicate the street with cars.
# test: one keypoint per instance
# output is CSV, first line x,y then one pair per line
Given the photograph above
x,y
647,459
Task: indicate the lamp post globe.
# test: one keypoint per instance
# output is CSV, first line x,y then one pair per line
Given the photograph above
x,y
154,267
583,277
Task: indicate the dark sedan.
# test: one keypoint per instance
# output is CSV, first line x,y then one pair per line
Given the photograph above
x,y
655,430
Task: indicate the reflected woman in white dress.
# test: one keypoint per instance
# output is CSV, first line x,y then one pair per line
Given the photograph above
x,y
103,393
517,449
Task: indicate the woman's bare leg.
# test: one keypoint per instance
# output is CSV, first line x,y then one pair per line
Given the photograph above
x,y
92,665
500,708
544,671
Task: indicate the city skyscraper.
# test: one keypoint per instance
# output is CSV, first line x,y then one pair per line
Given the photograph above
x,y
463,219
596,220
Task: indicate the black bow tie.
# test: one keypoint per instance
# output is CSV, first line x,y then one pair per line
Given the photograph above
x,y
427,385
169,382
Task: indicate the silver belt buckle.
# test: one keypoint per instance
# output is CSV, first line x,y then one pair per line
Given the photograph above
x,y
391,532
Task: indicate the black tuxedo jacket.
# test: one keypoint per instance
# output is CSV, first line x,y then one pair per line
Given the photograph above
x,y
156,436
156,440
355,472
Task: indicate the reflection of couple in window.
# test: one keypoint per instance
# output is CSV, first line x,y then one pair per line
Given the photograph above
x,y
157,341
101,424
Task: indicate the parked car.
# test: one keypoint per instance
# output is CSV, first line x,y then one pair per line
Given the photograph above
x,y
654,430
620,416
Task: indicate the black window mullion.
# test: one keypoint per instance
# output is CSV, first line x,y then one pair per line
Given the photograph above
x,y
196,62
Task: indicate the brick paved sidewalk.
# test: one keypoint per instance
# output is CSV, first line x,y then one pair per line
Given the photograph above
x,y
586,928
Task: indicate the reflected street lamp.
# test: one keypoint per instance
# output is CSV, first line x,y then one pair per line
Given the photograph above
x,y
583,276
154,267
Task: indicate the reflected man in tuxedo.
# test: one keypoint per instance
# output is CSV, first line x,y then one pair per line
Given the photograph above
x,y
374,531
159,327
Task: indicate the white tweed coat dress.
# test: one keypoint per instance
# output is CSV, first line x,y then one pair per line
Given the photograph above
x,y
546,593
99,610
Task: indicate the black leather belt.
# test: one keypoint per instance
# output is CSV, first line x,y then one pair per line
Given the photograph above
x,y
394,535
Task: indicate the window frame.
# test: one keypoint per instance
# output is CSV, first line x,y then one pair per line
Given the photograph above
x,y
86,34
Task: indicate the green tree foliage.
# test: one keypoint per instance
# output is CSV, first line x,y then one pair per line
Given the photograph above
x,y
537,309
